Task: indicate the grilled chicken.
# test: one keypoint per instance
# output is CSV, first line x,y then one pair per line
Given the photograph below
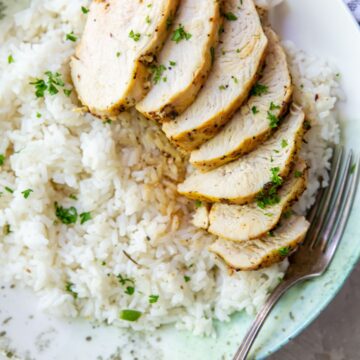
x,y
237,60
242,180
250,125
184,64
120,38
245,222
263,252
201,217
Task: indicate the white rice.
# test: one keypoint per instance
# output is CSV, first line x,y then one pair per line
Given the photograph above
x,y
125,174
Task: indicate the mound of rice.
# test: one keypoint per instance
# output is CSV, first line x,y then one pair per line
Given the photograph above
x,y
139,244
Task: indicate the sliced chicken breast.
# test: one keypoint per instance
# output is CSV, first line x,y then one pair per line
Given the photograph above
x,y
201,217
245,222
252,124
242,180
120,38
266,251
237,60
184,63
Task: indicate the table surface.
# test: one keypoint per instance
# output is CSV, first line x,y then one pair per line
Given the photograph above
x,y
335,334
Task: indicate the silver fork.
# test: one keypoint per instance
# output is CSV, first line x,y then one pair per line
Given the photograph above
x,y
328,219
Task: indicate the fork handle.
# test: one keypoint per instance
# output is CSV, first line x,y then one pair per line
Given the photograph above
x,y
256,326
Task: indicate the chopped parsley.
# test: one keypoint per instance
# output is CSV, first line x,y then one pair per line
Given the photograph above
x,y
157,72
198,203
130,315
71,36
9,190
274,107
307,125
221,29
134,36
66,216
284,143
153,299
38,115
10,59
222,87
130,290
51,85
69,289
84,10
254,110
118,54
284,251
298,173
230,16
273,120
236,81
73,197
276,179
180,34
147,19
172,63
352,169
2,159
7,229
84,217
169,22
288,214
259,89
187,278
269,196
212,54
27,193
40,87
67,92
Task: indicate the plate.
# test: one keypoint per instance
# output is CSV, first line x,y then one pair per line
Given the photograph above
x,y
324,28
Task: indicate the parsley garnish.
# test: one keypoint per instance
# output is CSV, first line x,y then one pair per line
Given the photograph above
x,y
68,288
71,36
84,10
38,115
84,217
274,121
236,81
169,22
258,90
10,59
157,72
73,196
198,203
307,125
273,106
222,87
130,315
147,19
9,190
7,229
230,16
2,159
118,54
221,29
51,85
130,290
284,143
172,63
297,173
66,216
40,87
276,179
352,169
254,110
287,214
134,36
187,278
67,92
180,34
284,251
268,196
153,299
27,193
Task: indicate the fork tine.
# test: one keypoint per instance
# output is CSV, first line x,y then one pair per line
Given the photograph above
x,y
351,193
334,211
320,210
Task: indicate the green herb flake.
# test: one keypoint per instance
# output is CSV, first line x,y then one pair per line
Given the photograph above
x,y
352,169
67,92
307,125
236,81
169,22
66,216
172,63
9,190
287,214
108,121
135,36
230,16
10,59
284,143
273,120
38,115
276,179
284,251
259,89
180,34
187,278
73,197
130,290
222,87
7,229
221,29
147,19
157,72
26,193
69,288
71,37
84,10
84,217
123,280
267,199
212,54
255,110
130,315
40,87
118,54
153,299
274,107
298,173
103,263
198,203
2,159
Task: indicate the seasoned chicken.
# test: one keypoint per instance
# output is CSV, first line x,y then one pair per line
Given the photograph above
x,y
237,60
120,39
252,124
245,222
201,217
185,60
263,252
242,180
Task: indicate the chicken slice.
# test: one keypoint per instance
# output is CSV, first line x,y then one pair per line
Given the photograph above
x,y
120,38
251,126
200,217
242,180
265,251
184,65
238,57
245,222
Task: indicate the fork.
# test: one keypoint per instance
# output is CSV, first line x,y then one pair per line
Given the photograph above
x,y
328,219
